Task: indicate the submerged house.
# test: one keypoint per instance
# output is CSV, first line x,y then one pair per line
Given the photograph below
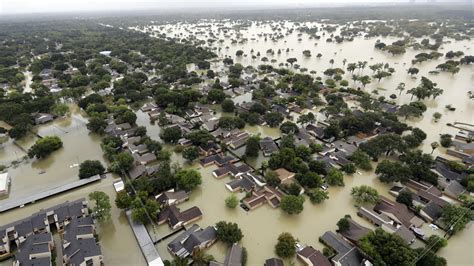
x,y
217,159
236,140
346,253
231,169
268,146
312,257
176,218
398,212
40,222
245,182
79,246
355,232
387,224
195,238
35,250
285,176
267,194
172,197
274,262
43,118
234,257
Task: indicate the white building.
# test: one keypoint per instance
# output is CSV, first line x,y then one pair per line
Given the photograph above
x,y
4,183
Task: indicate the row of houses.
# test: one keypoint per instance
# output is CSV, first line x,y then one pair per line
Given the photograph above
x,y
144,159
33,241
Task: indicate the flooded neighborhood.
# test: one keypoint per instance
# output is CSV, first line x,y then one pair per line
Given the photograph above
x,y
319,136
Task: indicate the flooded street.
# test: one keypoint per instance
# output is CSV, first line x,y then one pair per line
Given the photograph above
x,y
262,226
32,176
455,86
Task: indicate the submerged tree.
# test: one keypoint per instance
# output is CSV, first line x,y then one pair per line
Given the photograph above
x,y
285,248
101,209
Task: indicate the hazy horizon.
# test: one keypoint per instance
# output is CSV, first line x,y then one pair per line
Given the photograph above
x,y
11,7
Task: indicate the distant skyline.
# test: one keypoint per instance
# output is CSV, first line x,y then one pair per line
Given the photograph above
x,y
54,6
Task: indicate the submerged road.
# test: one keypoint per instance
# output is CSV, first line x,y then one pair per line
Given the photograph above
x,y
6,205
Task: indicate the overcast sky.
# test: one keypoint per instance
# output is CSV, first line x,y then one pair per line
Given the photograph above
x,y
41,6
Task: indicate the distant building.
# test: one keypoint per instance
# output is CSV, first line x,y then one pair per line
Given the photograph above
x,y
105,53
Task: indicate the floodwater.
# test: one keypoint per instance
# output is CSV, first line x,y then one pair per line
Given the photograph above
x,y
32,176
116,238
262,226
316,219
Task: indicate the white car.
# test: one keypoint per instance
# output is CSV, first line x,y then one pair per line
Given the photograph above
x,y
433,227
324,187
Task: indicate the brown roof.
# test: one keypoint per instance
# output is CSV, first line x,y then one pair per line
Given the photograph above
x,y
314,256
284,174
274,262
400,211
430,197
355,231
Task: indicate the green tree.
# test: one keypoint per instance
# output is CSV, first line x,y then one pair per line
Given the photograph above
x,y
387,249
289,127
335,177
60,109
123,200
45,146
361,160
365,195
252,146
392,171
127,117
123,161
456,217
405,197
317,195
434,146
446,140
191,153
216,95
285,247
231,201
171,134
90,168
101,209
188,179
309,179
228,232
96,124
430,259
343,224
228,106
200,258
436,243
292,204
272,179
144,209
348,168
273,119
199,137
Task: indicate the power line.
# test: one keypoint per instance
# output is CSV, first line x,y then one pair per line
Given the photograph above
x,y
450,228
